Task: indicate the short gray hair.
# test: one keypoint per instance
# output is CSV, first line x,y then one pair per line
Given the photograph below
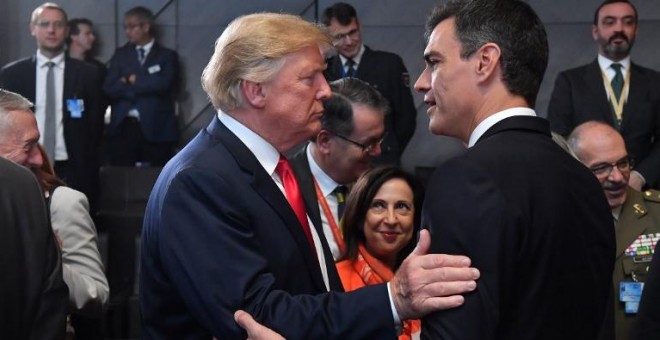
x,y
10,101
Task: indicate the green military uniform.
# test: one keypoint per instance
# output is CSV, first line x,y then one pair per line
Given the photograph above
x,y
639,217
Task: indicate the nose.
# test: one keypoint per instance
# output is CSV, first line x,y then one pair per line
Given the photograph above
x,y
35,160
615,175
390,216
324,91
422,84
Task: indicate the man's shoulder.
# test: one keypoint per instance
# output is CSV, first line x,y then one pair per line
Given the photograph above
x,y
651,196
16,64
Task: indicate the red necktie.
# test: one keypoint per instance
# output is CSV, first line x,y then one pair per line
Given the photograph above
x,y
293,196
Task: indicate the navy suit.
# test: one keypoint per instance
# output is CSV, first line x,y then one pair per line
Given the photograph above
x,y
386,72
579,96
219,235
152,94
536,224
82,135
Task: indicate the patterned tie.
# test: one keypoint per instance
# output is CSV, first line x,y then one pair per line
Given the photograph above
x,y
350,68
340,192
294,197
617,81
50,124
141,52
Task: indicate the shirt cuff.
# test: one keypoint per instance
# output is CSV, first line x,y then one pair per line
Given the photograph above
x,y
395,315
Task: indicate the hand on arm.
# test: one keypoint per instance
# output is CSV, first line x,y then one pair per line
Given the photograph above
x,y
429,282
255,330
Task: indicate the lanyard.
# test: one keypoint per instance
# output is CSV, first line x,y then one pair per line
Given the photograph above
x,y
617,105
331,220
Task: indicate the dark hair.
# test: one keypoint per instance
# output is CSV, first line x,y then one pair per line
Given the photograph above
x,y
609,2
513,26
341,11
143,14
338,116
359,201
74,29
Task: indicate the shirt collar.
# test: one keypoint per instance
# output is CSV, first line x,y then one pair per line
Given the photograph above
x,y
325,182
605,63
147,47
494,119
266,154
356,59
58,60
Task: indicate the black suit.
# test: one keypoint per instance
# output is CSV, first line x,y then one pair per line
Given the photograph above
x,y
579,96
386,72
219,235
33,297
81,135
536,224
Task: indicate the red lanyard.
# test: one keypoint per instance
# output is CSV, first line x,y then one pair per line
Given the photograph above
x,y
336,232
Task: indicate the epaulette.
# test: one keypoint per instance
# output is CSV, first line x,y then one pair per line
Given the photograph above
x,y
651,195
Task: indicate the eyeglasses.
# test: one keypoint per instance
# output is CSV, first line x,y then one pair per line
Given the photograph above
x,y
46,23
132,26
604,170
351,34
365,148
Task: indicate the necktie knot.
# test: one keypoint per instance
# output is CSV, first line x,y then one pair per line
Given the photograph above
x,y
50,64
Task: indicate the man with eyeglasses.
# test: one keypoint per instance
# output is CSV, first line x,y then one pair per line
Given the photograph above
x,y
67,97
351,133
636,214
383,70
141,85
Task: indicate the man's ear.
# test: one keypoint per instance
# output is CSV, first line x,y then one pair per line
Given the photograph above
x,y
594,32
322,140
488,60
253,93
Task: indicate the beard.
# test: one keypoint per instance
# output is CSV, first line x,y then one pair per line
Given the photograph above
x,y
616,51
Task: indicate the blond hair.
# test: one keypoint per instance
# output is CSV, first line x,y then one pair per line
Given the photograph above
x,y
252,48
46,5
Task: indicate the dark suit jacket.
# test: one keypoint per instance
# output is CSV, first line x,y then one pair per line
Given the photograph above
x,y
219,235
536,224
579,96
305,179
82,136
152,93
34,298
647,325
387,73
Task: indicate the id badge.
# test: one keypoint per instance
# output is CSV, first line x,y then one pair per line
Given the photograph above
x,y
75,107
631,293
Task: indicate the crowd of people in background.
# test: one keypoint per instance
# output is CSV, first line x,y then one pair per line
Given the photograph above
x,y
290,216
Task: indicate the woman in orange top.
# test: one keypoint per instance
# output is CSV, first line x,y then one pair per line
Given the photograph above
x,y
380,220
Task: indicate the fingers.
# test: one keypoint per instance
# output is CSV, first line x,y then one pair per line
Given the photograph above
x,y
432,261
449,288
244,320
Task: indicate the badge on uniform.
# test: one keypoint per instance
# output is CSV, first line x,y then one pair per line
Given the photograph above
x,y
630,293
643,245
75,107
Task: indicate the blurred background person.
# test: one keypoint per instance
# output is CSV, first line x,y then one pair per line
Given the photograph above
x,y
383,70
382,217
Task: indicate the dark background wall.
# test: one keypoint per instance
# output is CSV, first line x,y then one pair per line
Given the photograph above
x,y
191,27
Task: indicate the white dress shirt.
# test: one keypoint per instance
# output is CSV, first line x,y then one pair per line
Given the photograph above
x,y
496,118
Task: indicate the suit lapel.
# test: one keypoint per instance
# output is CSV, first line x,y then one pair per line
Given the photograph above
x,y
31,72
629,227
264,185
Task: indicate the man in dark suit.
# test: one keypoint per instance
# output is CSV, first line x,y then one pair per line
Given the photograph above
x,y
533,219
141,84
614,90
34,298
636,214
226,229
351,132
71,122
383,70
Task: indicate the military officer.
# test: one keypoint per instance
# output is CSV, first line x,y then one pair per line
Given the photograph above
x,y
636,214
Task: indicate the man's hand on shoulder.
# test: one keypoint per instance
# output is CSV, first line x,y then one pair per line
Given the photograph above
x,y
429,282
